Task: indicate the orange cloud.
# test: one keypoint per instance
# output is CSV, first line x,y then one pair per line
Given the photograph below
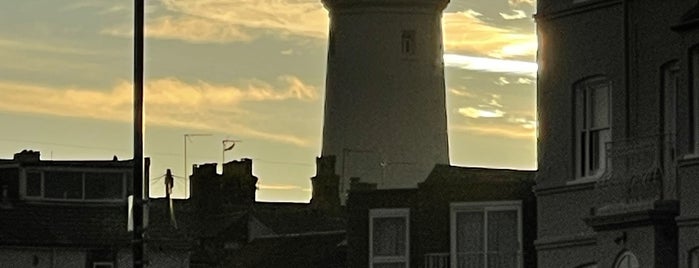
x,y
466,33
169,102
502,130
223,21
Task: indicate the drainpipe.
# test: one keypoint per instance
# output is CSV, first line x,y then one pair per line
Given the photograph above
x,y
627,69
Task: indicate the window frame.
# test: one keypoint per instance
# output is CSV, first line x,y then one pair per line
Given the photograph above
x,y
83,172
389,213
583,129
484,207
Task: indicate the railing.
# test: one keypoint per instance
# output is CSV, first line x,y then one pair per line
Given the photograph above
x,y
639,171
437,260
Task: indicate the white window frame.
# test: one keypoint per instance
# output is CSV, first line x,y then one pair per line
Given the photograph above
x,y
583,127
389,213
41,171
484,207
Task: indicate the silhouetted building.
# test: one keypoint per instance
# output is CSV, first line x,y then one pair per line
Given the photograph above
x,y
232,230
458,217
73,214
385,116
618,96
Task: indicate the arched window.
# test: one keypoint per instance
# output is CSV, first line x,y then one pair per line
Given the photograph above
x,y
626,260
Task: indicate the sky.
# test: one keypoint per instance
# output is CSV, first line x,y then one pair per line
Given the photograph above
x,y
247,70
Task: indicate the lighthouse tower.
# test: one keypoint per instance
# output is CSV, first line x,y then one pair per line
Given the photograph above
x,y
385,116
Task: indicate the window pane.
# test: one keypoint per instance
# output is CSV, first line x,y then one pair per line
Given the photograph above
x,y
599,106
389,265
63,185
389,236
33,184
503,239
594,151
469,239
103,185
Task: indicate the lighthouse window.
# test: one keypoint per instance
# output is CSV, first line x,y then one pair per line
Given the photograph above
x,y
408,43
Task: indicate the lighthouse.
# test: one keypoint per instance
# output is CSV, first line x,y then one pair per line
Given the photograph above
x,y
385,117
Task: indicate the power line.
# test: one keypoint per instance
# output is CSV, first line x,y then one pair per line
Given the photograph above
x,y
88,147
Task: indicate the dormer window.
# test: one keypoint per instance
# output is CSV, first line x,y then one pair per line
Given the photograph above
x,y
71,185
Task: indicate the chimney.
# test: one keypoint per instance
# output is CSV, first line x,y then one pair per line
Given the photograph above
x,y
326,186
238,182
27,156
205,186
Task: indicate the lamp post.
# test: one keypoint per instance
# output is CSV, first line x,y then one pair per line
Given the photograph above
x,y
138,247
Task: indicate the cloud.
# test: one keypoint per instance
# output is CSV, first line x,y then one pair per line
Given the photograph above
x,y
186,28
282,187
518,14
490,64
525,81
478,113
169,102
502,81
518,2
34,46
223,21
502,130
461,92
466,33
287,52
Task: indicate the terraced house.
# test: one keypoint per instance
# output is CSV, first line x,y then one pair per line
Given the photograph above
x,y
618,96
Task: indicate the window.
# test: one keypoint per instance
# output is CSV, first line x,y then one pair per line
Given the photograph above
x,y
694,102
592,120
389,241
34,184
626,260
486,234
408,43
74,185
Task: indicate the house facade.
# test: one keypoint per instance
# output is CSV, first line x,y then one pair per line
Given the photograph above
x,y
618,140
457,217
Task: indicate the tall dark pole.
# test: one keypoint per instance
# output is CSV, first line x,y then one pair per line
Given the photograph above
x,y
137,242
